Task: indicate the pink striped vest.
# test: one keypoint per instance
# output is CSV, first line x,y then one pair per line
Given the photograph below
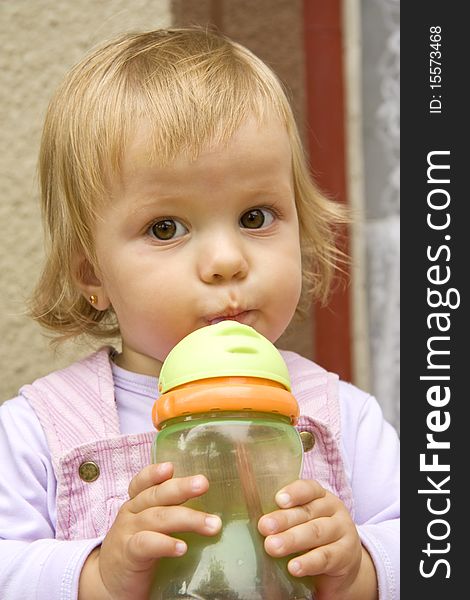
x,y
77,411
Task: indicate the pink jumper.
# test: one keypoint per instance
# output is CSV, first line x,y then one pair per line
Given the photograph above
x,y
76,408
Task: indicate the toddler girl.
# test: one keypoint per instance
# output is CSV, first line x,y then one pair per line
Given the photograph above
x,y
175,194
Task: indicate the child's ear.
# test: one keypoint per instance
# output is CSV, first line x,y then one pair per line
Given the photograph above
x,y
89,283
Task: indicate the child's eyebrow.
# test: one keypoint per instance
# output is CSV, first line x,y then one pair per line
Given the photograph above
x,y
156,202
278,190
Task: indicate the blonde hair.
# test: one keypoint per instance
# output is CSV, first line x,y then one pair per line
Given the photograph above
x,y
194,87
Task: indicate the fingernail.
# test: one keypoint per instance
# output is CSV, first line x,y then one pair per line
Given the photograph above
x,y
294,567
197,483
270,524
275,542
162,467
213,523
180,548
283,498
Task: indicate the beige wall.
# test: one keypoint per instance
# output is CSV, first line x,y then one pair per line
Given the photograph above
x,y
39,41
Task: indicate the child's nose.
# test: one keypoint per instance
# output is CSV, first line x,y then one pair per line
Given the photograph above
x,y
223,260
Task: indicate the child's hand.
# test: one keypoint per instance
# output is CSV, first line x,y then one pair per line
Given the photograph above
x,y
316,524
122,567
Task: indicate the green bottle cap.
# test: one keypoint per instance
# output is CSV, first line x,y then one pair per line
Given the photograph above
x,y
225,349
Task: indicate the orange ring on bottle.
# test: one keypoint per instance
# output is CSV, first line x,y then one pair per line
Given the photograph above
x,y
225,394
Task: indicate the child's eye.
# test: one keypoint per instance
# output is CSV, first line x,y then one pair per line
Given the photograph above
x,y
256,218
167,229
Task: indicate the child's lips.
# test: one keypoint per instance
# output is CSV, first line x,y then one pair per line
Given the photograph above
x,y
241,317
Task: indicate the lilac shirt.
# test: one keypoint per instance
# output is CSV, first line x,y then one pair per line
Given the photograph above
x,y
35,565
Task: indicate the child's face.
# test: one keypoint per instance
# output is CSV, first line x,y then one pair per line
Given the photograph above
x,y
189,244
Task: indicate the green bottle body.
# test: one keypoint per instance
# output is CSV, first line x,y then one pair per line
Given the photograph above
x,y
247,457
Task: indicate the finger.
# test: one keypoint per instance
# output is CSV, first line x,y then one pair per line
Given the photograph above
x,y
171,492
150,545
312,534
280,520
172,519
149,476
329,559
299,492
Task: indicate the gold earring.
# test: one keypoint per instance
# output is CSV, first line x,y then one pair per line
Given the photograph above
x,y
93,299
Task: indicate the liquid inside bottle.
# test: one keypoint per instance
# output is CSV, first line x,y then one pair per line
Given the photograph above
x,y
247,457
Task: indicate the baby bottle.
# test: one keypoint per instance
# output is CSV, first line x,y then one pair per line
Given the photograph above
x,y
226,411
